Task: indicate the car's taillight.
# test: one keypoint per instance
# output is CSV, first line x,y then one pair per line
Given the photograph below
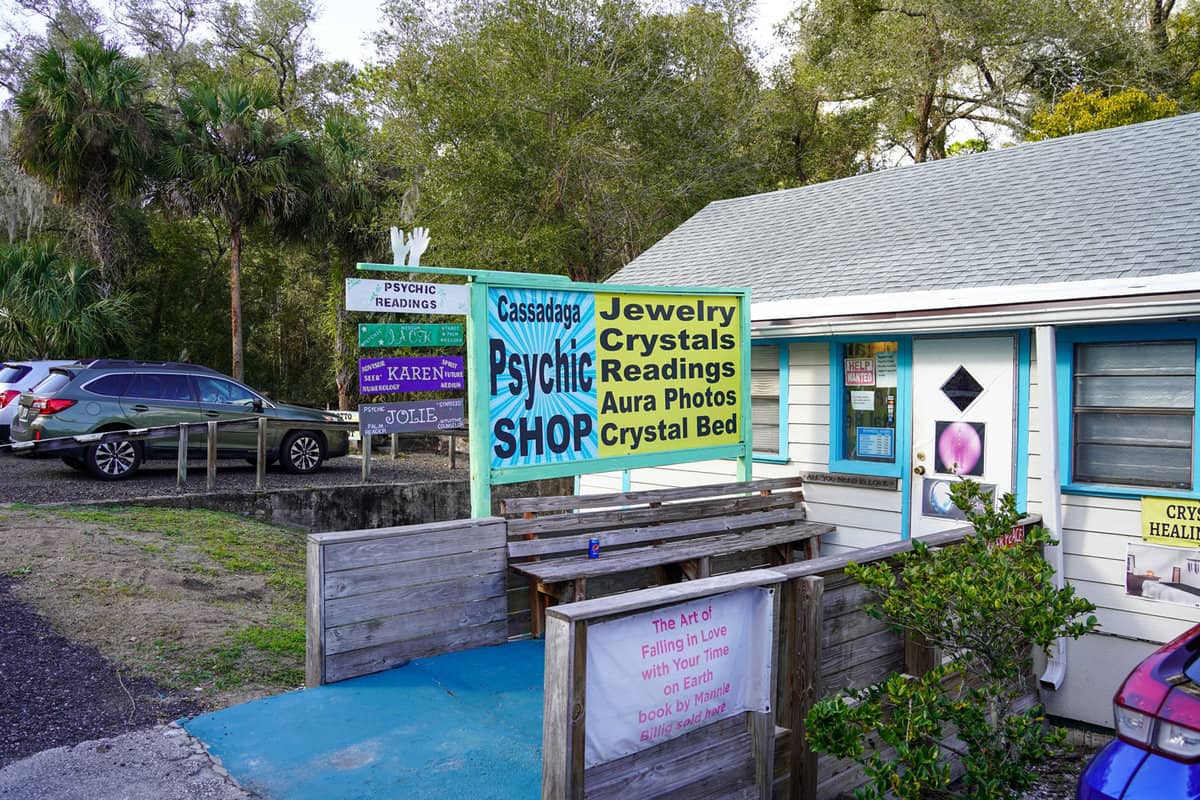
x,y
1157,707
8,396
50,405
1177,740
1133,726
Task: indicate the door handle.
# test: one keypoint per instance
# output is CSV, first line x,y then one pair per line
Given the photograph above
x,y
212,413
919,469
139,408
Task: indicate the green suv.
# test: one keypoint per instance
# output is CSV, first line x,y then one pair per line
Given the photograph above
x,y
109,395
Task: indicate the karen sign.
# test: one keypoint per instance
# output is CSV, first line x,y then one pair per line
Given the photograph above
x,y
419,374
419,415
406,297
577,375
664,673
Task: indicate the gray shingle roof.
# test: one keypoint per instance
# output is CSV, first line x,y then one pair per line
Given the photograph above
x,y
1123,202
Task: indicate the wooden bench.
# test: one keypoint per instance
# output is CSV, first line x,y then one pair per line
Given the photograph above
x,y
678,532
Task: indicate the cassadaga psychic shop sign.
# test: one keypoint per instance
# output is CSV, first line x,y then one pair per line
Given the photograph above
x,y
579,375
419,415
414,374
366,294
661,674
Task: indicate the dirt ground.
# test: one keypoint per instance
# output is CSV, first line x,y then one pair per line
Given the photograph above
x,y
208,606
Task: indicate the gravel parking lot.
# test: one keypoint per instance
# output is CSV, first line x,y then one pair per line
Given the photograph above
x,y
28,480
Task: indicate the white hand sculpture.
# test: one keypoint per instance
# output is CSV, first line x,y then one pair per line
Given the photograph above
x,y
399,248
418,240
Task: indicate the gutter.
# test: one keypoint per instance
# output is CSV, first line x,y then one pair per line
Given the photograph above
x,y
1056,667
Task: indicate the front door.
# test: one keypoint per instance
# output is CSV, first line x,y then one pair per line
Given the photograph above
x,y
964,407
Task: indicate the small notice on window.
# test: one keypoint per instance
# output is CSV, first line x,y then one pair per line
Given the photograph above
x,y
876,442
860,371
862,401
885,368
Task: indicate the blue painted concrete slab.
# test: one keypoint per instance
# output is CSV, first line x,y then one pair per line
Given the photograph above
x,y
461,725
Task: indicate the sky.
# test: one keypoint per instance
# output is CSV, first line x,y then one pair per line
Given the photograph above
x,y
344,25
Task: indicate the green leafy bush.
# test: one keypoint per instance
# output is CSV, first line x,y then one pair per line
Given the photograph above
x,y
984,604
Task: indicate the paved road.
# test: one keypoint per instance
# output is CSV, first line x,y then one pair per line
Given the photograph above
x,y
27,480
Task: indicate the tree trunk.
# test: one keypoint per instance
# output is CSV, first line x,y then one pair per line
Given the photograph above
x,y
99,225
922,139
235,297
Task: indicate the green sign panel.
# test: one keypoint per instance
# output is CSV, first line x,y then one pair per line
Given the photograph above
x,y
392,335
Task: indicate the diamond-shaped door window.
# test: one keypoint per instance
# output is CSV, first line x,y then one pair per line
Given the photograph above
x,y
962,388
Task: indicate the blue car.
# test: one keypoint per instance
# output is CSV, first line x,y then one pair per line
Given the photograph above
x,y
1156,755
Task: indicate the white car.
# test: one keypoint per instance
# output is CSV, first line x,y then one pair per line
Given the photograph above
x,y
17,377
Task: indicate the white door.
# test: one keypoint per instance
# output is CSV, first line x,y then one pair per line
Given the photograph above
x,y
964,407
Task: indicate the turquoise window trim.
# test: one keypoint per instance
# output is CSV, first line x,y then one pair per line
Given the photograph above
x,y
1021,477
780,457
1065,341
837,409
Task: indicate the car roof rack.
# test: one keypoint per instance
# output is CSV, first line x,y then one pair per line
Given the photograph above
x,y
108,363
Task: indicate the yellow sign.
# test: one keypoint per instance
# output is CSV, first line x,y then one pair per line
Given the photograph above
x,y
668,372
1169,521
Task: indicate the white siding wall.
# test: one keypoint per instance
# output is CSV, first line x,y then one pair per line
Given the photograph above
x,y
1095,533
864,517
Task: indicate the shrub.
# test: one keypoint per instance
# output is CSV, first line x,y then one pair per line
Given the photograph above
x,y
984,604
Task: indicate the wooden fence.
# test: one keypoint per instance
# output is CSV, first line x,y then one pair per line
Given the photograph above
x,y
825,643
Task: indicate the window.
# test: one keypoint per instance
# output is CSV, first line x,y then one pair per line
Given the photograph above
x,y
50,384
109,385
215,390
11,373
868,387
159,386
1133,413
768,400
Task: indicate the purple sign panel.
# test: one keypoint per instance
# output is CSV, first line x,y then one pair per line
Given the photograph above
x,y
419,415
416,374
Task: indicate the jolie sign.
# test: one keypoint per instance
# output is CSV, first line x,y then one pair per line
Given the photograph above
x,y
417,374
419,415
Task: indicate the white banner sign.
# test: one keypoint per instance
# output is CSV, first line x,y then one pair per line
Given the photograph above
x,y
665,673
406,297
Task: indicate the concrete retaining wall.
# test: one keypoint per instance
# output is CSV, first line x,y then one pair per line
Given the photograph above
x,y
353,507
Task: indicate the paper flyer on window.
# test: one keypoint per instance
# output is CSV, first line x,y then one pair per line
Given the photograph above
x,y
1163,574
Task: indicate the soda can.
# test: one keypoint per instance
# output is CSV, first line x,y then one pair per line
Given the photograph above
x,y
593,548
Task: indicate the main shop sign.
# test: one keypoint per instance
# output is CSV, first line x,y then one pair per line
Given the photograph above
x,y
579,375
661,674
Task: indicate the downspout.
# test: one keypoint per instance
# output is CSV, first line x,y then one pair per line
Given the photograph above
x,y
1047,361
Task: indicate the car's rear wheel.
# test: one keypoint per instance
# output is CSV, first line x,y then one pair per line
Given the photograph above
x,y
75,462
302,452
113,461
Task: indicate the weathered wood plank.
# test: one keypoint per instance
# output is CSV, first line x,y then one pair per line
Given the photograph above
x,y
720,748
536,505
361,635
385,656
472,529
632,517
615,605
649,533
395,576
840,656
314,617
408,599
862,674
561,569
410,546
849,627
806,682
564,711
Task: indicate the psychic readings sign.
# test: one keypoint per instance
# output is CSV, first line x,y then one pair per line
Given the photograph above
x,y
665,673
406,297
419,415
399,335
578,375
416,374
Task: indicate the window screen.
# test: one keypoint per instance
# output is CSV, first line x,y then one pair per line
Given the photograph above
x,y
1134,409
764,399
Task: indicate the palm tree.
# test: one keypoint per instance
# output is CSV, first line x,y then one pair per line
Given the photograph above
x,y
233,160
88,130
50,307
